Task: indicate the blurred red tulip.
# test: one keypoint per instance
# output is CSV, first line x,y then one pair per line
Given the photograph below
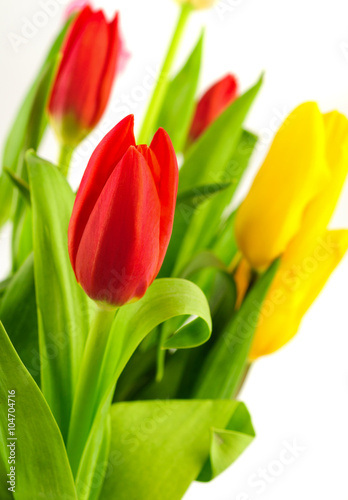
x,y
85,76
123,215
212,104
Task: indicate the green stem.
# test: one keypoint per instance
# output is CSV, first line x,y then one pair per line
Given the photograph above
x,y
85,400
163,79
65,155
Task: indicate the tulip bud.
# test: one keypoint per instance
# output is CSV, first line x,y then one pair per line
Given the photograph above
x,y
212,104
123,215
85,76
198,4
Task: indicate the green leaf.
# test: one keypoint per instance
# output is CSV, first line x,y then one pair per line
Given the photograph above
x,y
179,103
24,132
228,444
22,244
63,307
159,447
186,206
4,493
207,219
42,467
207,159
22,328
165,299
224,366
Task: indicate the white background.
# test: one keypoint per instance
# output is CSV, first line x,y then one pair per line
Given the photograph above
x,y
301,392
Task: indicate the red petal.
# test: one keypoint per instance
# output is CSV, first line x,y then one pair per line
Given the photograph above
x,y
109,71
118,253
212,104
162,146
103,161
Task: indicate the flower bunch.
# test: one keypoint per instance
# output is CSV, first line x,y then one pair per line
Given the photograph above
x,y
136,306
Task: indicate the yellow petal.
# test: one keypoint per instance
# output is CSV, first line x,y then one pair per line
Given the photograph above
x,y
293,173
319,212
295,287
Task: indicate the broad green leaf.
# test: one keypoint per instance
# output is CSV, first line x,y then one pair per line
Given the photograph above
x,y
42,467
23,328
207,159
228,444
62,305
207,219
179,103
165,299
225,364
5,494
18,139
159,447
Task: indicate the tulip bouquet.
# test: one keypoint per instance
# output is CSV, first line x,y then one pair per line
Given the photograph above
x,y
136,307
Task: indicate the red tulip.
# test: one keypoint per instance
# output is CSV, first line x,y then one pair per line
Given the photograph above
x,y
85,76
123,215
212,104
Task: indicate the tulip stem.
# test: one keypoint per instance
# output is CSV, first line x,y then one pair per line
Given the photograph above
x,y
159,92
86,393
65,155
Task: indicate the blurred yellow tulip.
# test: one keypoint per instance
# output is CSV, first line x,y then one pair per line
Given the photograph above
x,y
298,282
287,212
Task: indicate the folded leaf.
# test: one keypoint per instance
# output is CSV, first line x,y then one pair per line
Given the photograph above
x,y
159,447
228,444
42,467
63,307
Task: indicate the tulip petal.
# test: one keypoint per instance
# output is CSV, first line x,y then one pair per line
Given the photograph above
x,y
293,173
163,149
295,287
102,163
216,99
118,253
109,71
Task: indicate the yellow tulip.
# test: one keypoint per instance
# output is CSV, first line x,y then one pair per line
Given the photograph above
x,y
198,4
297,283
294,172
298,230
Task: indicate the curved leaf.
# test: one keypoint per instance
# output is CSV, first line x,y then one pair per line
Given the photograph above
x,y
165,299
42,467
228,444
